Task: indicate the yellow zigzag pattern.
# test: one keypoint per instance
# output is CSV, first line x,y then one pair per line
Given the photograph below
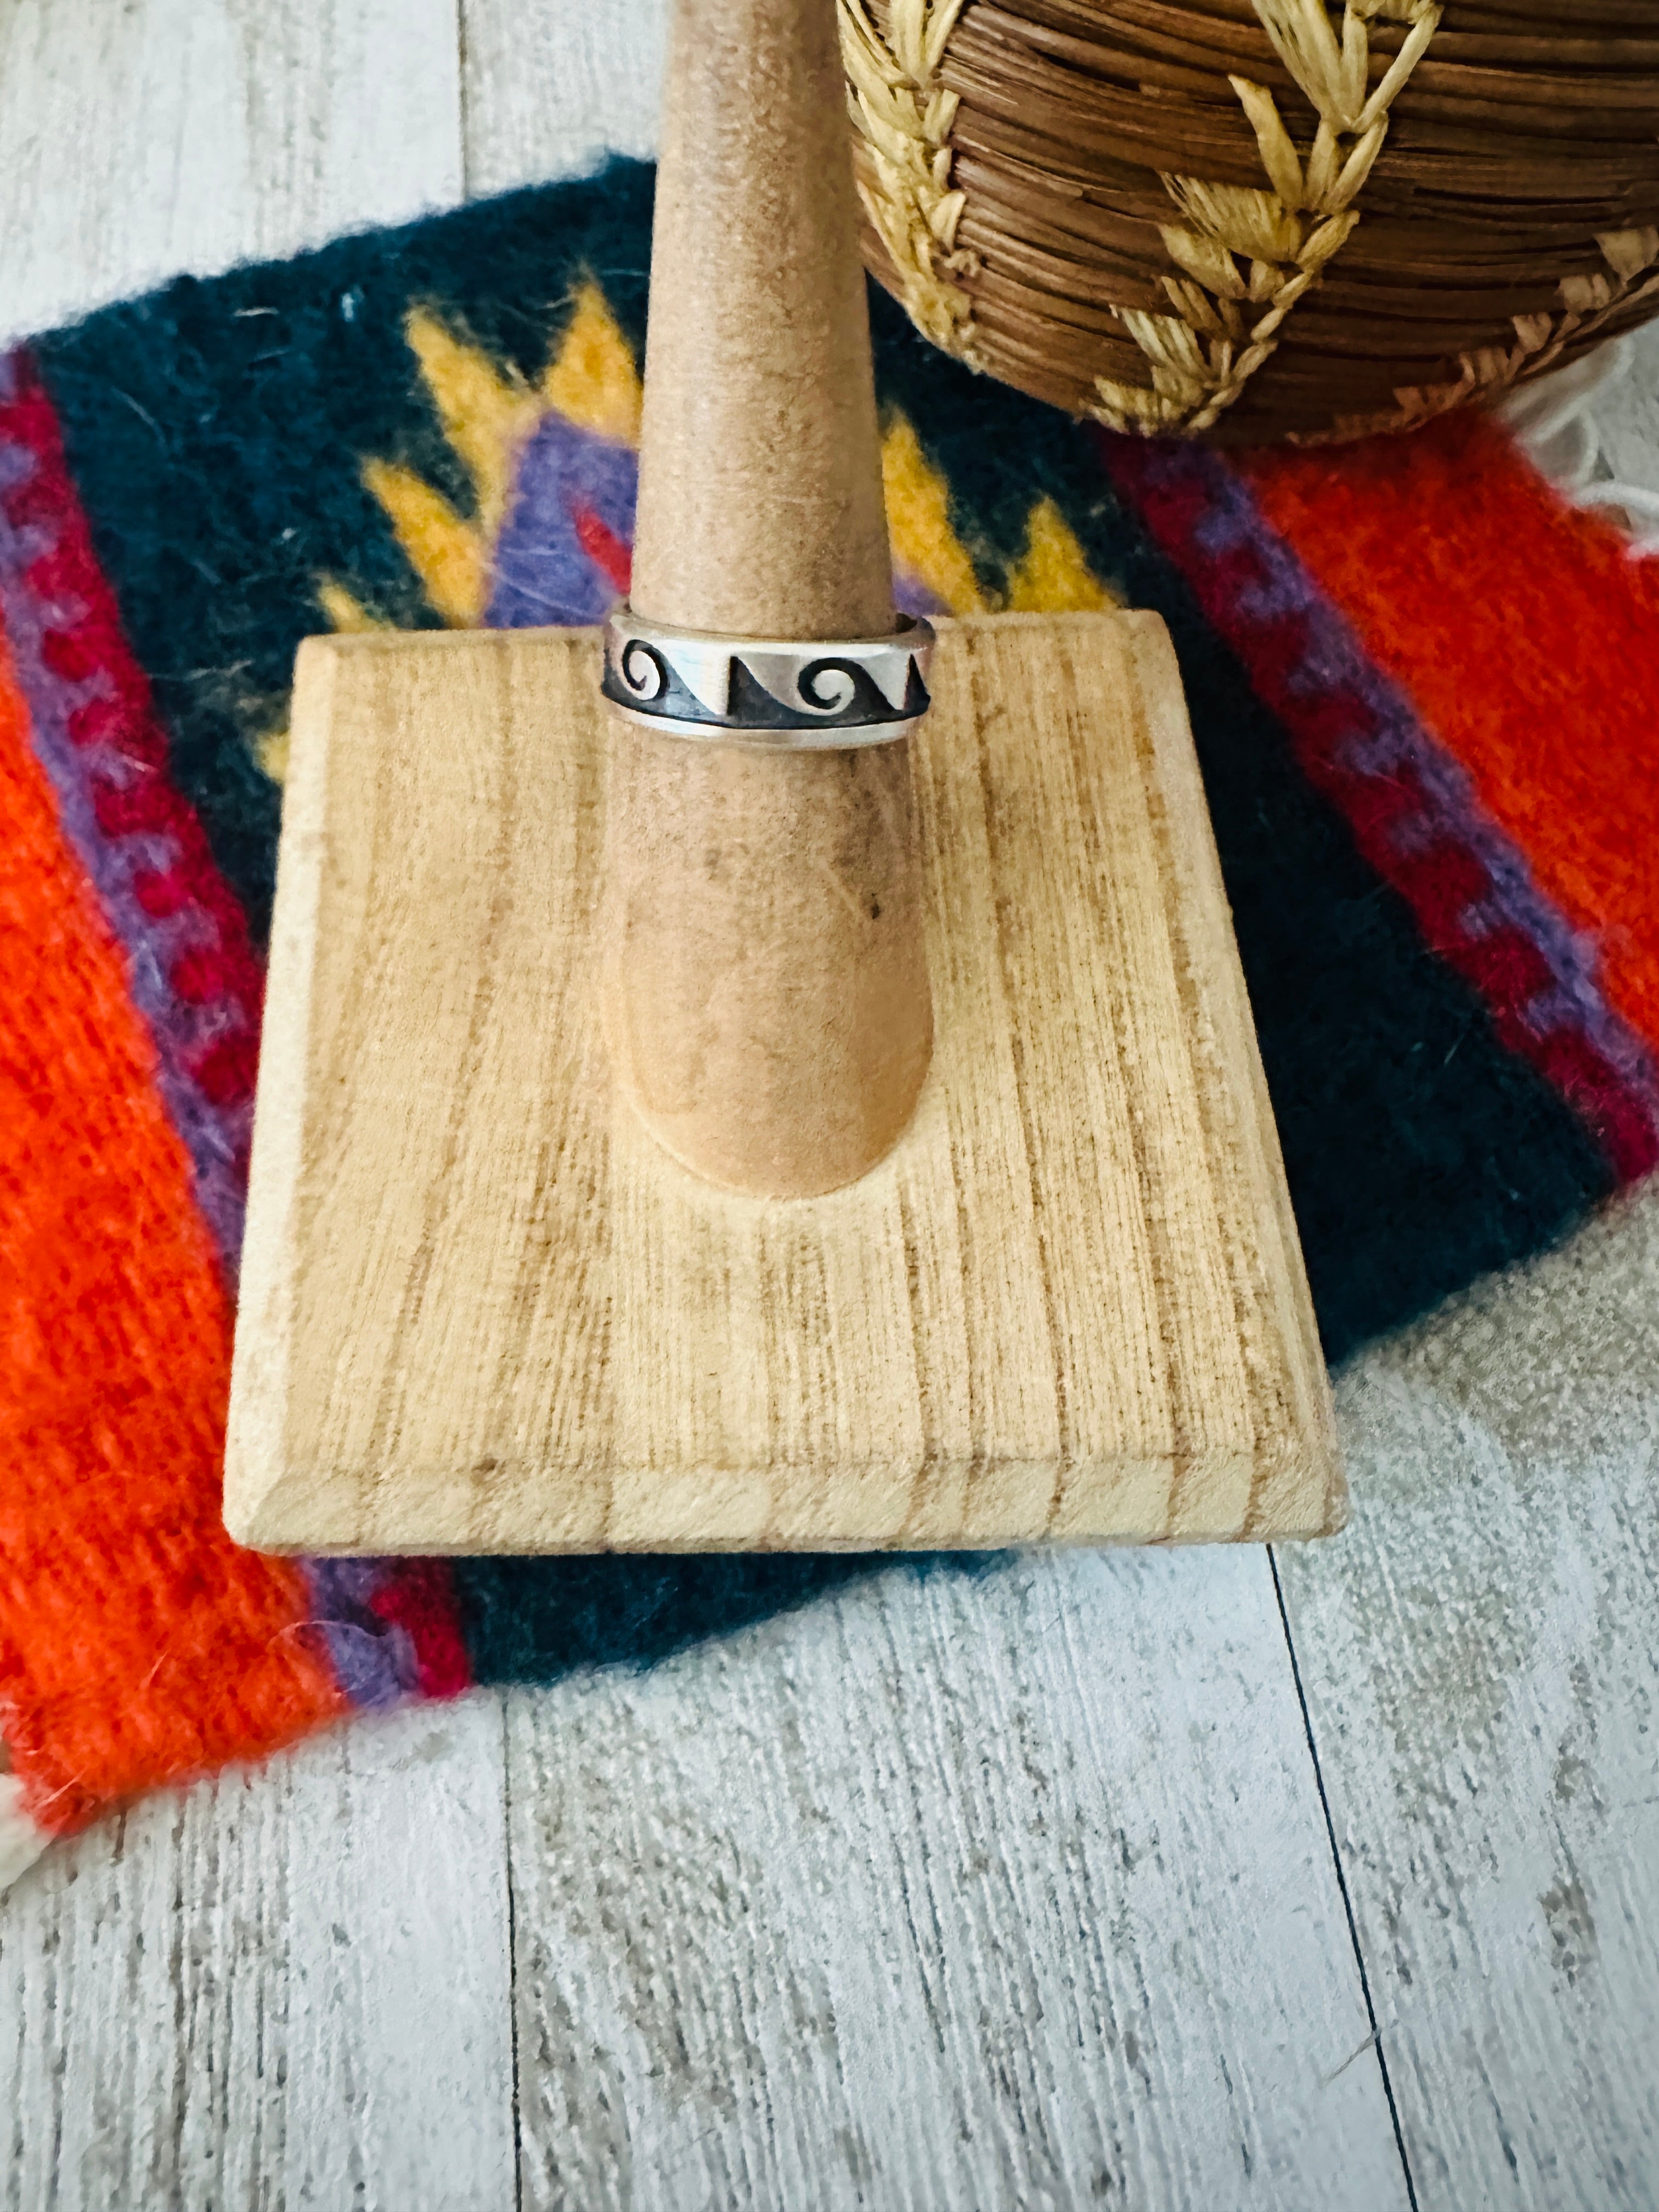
x,y
488,413
487,417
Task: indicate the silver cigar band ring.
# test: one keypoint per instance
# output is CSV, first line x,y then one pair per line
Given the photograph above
x,y
776,695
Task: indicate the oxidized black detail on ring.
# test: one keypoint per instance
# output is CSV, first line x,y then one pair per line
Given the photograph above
x,y
645,672
775,693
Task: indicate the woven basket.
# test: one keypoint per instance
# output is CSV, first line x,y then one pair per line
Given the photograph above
x,y
1261,218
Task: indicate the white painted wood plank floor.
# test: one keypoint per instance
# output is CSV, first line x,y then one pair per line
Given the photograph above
x,y
1107,1880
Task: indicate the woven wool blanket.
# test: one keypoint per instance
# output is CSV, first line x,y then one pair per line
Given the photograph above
x,y
1421,690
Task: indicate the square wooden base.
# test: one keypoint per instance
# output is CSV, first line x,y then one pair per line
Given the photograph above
x,y
482,1311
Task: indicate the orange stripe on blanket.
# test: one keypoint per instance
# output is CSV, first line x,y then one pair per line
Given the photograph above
x,y
1528,641
137,1642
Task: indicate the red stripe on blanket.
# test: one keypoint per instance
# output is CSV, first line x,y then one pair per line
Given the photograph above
x,y
137,1643
1527,637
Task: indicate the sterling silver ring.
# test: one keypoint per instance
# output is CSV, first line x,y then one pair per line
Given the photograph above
x,y
773,694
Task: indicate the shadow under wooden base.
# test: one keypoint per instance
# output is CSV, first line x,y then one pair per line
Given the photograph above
x,y
481,1310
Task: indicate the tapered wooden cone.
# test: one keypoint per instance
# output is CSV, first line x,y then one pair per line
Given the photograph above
x,y
765,997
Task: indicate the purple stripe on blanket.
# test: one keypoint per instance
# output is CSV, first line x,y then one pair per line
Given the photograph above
x,y
216,1137
1396,745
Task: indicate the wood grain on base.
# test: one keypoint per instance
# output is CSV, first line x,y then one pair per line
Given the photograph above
x,y
481,1309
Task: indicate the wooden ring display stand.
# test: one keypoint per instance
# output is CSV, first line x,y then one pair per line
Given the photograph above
x,y
662,1146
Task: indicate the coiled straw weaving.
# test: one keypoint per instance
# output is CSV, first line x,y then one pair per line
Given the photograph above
x,y
1261,218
